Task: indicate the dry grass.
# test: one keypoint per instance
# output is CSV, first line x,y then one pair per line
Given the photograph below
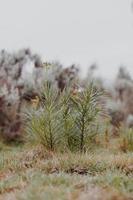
x,y
30,172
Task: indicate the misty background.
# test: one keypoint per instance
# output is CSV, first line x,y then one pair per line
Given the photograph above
x,y
71,31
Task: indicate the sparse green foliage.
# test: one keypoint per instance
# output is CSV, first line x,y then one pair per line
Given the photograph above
x,y
68,123
64,120
85,106
46,122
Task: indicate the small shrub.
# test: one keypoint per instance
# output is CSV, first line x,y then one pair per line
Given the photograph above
x,y
64,120
46,122
85,111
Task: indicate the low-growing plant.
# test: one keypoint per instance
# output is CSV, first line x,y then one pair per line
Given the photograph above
x,y
65,120
46,122
85,111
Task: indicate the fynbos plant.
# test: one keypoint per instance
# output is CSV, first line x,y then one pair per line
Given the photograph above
x,y
64,119
46,122
67,119
86,109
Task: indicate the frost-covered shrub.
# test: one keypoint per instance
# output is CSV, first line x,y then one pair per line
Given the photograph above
x,y
93,76
67,76
129,121
124,90
116,114
16,79
120,102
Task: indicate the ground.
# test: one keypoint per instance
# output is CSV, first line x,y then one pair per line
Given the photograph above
x,y
29,172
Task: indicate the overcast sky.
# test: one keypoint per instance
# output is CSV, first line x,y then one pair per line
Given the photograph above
x,y
81,31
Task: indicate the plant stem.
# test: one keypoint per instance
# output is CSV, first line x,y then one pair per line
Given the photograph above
x,y
82,134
